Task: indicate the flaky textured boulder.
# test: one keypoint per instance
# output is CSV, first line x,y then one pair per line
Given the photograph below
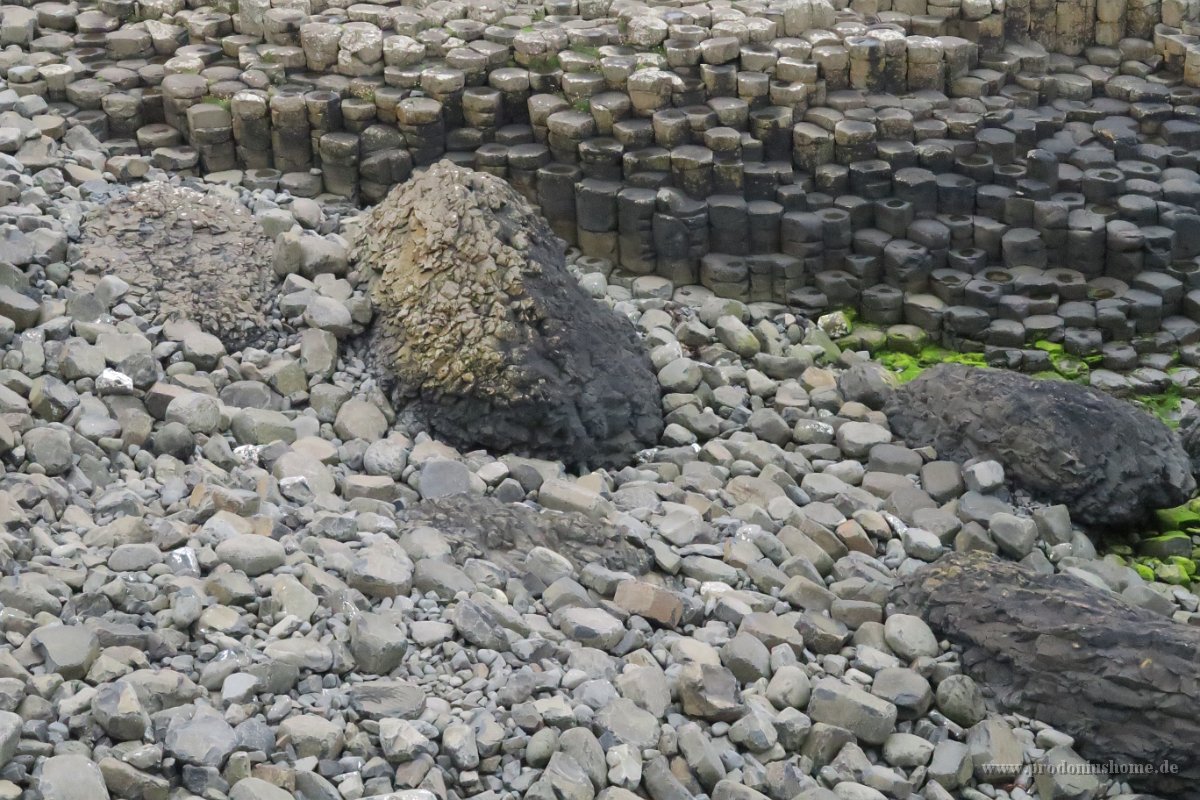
x,y
1108,461
486,334
185,253
1122,680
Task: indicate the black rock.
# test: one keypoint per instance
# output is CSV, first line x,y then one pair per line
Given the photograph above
x,y
1108,461
1123,681
1189,434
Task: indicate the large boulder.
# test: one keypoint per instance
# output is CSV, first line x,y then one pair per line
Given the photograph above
x,y
1108,461
1123,681
184,253
1189,434
487,336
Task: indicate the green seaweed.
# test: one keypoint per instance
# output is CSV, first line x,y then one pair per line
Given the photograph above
x,y
1181,518
1146,573
908,366
1165,405
905,366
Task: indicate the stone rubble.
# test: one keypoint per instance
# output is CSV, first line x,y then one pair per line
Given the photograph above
x,y
238,576
231,568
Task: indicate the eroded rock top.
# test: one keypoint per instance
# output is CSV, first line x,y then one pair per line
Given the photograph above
x,y
185,253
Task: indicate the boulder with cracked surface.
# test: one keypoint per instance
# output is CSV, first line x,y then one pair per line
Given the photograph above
x,y
487,336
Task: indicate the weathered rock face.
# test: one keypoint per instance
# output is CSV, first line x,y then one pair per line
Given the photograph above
x,y
483,329
1189,434
1124,681
505,533
1106,460
184,253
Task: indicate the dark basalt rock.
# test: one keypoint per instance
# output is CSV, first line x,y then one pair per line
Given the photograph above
x,y
487,336
1189,434
1108,461
1122,680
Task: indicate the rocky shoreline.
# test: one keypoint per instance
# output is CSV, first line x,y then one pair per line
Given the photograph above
x,y
228,574
308,499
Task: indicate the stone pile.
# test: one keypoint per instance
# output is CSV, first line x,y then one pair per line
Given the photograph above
x,y
181,253
236,572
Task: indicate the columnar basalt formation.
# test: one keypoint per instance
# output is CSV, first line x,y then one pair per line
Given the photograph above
x,y
994,175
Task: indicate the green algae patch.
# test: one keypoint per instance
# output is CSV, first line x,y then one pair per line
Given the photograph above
x,y
1165,406
1172,574
1181,518
908,366
1166,545
1168,554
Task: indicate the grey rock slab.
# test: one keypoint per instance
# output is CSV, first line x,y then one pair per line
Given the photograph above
x,y
68,650
996,752
856,439
709,692
905,689
257,789
628,723
10,735
250,553
869,718
960,699
950,764
1014,535
1065,776
204,740
71,776
388,697
442,477
591,627
119,711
